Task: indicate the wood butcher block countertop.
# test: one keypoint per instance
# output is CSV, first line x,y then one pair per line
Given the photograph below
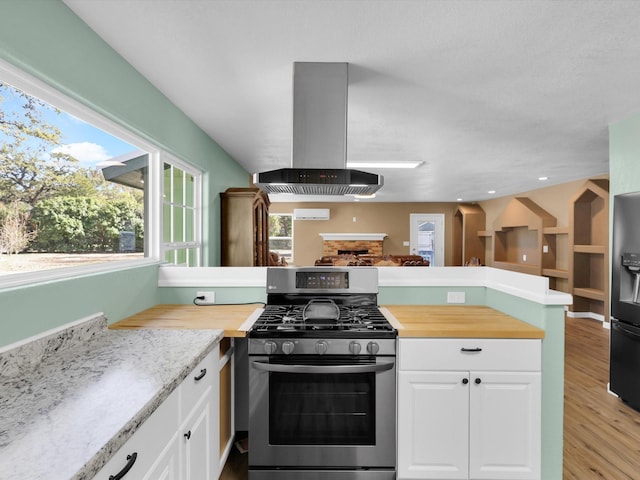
x,y
457,321
235,320
436,321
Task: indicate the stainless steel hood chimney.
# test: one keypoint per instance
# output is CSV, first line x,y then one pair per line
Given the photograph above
x,y
319,146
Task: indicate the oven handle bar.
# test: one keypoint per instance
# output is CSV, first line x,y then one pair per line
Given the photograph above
x,y
281,368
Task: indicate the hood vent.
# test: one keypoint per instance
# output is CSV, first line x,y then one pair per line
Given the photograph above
x,y
319,138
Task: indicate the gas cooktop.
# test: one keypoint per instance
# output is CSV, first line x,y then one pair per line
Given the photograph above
x,y
353,321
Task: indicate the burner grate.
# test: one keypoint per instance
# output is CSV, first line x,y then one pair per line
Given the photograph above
x,y
356,319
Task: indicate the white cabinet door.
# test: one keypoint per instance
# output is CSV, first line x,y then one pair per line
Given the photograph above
x,y
433,425
197,451
505,425
166,467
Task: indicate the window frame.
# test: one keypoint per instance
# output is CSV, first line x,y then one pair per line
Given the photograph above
x,y
153,205
167,158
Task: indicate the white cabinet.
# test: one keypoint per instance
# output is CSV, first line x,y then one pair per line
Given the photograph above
x,y
469,409
199,400
197,452
166,466
179,440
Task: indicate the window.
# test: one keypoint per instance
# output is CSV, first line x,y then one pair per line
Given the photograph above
x,y
77,190
281,235
181,216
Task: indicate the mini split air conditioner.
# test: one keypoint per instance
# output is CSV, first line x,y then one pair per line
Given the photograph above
x,y
311,214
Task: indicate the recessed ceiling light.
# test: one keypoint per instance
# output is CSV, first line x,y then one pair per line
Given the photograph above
x,y
458,199
542,179
491,192
383,164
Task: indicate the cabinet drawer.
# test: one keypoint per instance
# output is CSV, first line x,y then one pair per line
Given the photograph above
x,y
469,354
195,384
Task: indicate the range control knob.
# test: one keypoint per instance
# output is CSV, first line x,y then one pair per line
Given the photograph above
x,y
373,347
355,347
270,347
288,347
321,347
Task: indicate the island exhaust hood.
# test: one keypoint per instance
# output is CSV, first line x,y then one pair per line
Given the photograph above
x,y
319,138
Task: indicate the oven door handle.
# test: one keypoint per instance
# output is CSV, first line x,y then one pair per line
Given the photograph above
x,y
279,367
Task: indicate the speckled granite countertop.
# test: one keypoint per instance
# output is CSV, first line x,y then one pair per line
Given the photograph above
x,y
69,400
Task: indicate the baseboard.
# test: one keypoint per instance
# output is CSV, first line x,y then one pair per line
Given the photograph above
x,y
590,315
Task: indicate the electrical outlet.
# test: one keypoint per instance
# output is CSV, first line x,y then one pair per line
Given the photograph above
x,y
524,257
545,249
209,298
456,297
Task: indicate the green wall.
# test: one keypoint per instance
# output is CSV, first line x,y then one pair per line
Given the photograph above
x,y
624,156
47,40
27,311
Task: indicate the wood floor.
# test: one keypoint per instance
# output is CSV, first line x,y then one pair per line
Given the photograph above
x,y
601,434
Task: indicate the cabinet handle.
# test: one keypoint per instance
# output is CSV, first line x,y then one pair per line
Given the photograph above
x,y
187,435
478,381
131,459
465,381
203,372
477,349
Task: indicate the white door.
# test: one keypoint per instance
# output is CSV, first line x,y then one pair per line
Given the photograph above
x,y
427,236
433,425
504,426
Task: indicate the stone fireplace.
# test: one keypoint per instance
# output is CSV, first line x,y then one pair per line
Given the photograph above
x,y
335,243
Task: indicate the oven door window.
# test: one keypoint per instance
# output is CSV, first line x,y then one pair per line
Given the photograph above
x,y
322,408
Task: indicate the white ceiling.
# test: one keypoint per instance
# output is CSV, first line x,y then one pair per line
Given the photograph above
x,y
490,95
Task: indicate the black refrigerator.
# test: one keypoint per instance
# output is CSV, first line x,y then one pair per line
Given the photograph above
x,y
624,360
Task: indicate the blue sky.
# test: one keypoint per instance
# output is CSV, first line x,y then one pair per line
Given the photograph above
x,y
83,141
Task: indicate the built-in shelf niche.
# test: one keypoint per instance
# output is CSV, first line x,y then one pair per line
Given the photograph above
x,y
589,234
468,220
518,238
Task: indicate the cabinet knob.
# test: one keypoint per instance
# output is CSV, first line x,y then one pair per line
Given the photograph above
x,y
465,381
478,381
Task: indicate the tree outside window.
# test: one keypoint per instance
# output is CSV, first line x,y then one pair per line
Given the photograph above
x,y
281,235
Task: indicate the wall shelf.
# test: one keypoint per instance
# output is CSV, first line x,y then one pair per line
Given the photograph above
x,y
589,240
518,238
555,273
595,249
591,293
555,230
467,242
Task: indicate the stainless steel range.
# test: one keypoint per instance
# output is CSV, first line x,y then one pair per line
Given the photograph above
x,y
322,378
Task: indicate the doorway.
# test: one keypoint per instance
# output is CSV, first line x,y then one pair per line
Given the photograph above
x,y
427,237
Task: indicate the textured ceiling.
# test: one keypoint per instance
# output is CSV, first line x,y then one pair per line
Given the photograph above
x,y
490,95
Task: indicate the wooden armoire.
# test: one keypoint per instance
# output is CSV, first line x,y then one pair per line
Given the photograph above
x,y
244,228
